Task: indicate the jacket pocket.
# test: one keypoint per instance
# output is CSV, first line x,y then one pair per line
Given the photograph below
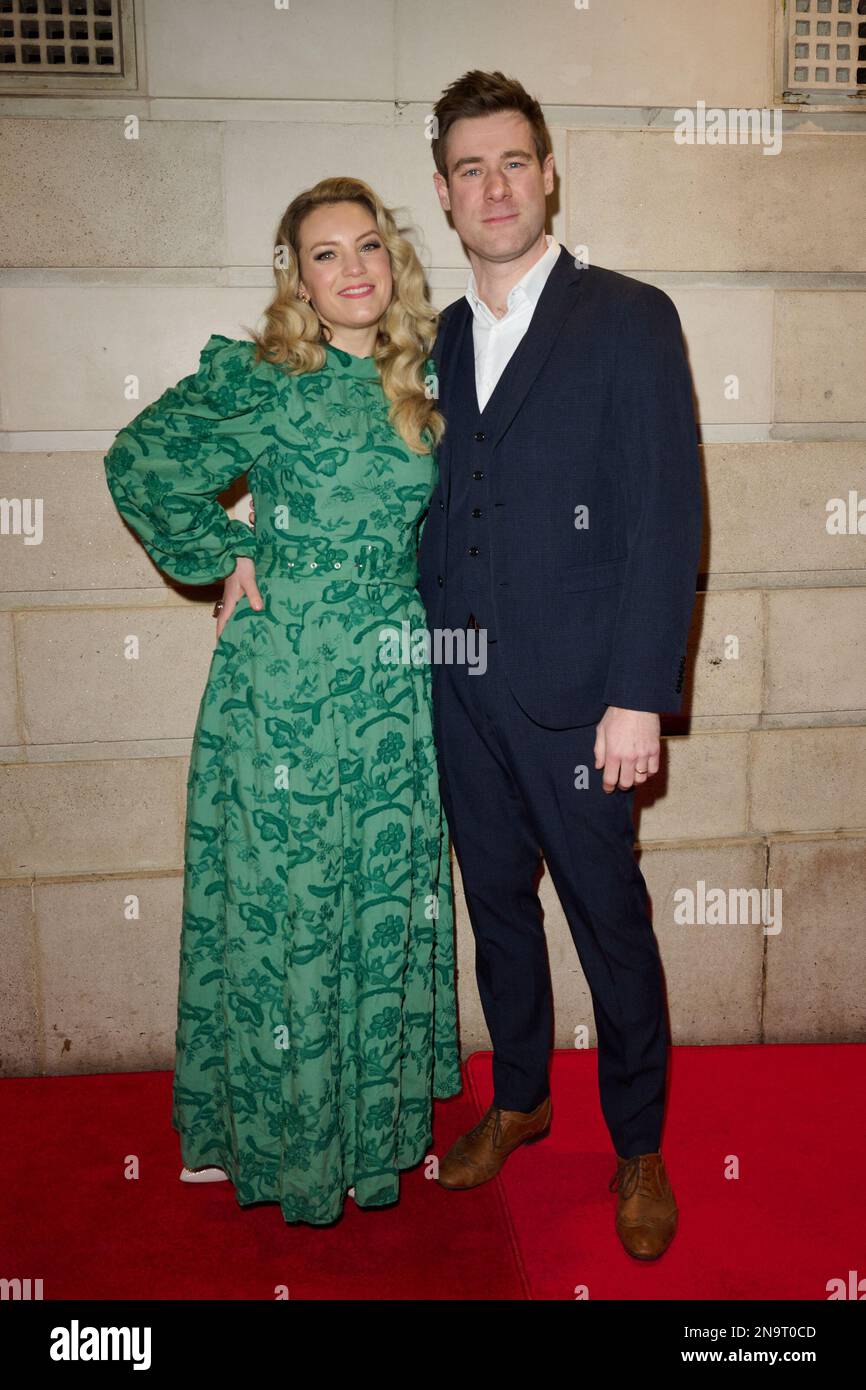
x,y
603,575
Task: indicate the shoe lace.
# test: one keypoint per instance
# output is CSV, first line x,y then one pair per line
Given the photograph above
x,y
492,1116
632,1176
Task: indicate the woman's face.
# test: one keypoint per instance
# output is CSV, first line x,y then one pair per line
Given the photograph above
x,y
345,268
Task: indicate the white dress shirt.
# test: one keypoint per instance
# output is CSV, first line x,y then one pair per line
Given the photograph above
x,y
495,339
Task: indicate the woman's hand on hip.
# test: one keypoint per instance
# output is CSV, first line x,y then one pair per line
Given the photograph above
x,y
241,581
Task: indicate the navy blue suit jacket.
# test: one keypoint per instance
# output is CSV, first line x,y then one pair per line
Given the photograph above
x,y
592,607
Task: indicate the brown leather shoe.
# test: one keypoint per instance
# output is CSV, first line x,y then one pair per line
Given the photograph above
x,y
478,1155
646,1213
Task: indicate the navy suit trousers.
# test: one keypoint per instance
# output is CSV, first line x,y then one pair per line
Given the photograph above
x,y
508,788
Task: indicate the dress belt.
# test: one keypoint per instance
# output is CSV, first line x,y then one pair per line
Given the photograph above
x,y
355,563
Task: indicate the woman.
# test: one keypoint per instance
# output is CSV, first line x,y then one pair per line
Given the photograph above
x,y
316,1009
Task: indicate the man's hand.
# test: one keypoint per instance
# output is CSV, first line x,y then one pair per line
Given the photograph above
x,y
627,746
241,581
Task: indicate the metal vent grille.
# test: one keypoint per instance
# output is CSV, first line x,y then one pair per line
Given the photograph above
x,y
827,48
60,36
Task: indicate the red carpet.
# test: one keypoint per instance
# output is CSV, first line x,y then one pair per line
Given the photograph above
x,y
795,1217
71,1218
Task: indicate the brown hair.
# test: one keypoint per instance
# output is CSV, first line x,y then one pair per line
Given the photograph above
x,y
293,335
479,93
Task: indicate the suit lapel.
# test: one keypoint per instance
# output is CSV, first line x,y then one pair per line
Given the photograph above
x,y
555,303
445,355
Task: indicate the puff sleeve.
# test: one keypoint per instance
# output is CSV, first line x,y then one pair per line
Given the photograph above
x,y
167,467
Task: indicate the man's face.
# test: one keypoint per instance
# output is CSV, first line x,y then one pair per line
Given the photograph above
x,y
496,189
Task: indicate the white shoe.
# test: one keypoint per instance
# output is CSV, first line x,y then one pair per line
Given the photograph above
x,y
203,1175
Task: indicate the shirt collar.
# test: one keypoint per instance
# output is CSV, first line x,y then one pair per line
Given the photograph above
x,y
527,291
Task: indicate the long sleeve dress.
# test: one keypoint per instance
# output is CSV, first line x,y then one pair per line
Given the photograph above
x,y
316,1004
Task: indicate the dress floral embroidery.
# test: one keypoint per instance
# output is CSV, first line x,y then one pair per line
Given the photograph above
x,y
316,1005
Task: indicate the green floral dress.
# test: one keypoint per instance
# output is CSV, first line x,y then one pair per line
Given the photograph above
x,y
316,1005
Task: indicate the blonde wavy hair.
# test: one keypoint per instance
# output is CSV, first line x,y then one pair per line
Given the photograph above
x,y
295,336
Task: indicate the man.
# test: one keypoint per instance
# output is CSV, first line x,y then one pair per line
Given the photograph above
x,y
566,523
